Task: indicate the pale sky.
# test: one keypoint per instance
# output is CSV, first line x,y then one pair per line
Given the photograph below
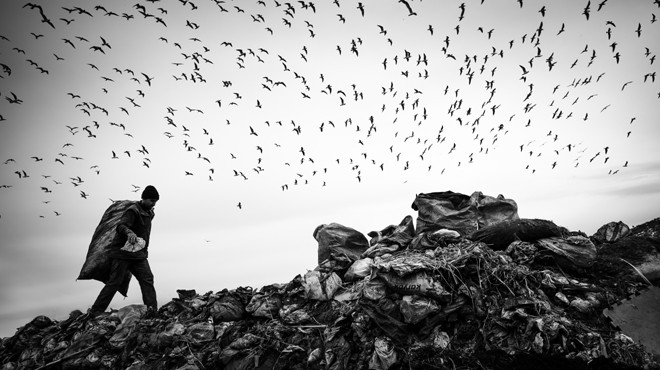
x,y
306,113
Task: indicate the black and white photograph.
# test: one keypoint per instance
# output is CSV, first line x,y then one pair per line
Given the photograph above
x,y
329,184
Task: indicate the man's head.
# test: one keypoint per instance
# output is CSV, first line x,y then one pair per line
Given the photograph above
x,y
150,196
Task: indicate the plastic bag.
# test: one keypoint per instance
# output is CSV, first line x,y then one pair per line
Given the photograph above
x,y
171,332
352,292
320,286
129,317
404,264
337,240
434,239
385,313
416,283
384,355
460,212
201,332
359,269
391,239
500,235
227,308
97,263
337,354
262,305
440,338
134,247
374,289
414,308
294,314
611,232
572,252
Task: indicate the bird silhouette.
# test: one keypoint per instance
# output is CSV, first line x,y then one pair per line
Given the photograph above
x,y
586,11
14,99
410,11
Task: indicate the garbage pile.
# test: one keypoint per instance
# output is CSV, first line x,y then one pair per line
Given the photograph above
x,y
470,285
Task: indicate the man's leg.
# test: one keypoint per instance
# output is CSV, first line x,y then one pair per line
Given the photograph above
x,y
117,271
142,272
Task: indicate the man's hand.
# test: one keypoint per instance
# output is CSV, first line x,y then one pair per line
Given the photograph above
x,y
132,238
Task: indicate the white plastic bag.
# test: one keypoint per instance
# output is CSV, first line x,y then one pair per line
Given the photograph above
x,y
138,245
320,287
359,269
384,355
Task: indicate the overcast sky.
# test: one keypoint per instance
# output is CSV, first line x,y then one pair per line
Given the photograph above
x,y
306,113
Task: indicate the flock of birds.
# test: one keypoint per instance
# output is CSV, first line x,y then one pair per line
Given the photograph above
x,y
429,110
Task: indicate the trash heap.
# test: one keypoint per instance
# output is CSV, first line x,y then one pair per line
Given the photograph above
x,y
470,285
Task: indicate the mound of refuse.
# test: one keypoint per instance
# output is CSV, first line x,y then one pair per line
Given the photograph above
x,y
467,285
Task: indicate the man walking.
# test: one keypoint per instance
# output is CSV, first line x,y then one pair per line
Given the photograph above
x,y
128,252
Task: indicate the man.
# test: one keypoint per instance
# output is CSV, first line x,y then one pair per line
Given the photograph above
x,y
128,252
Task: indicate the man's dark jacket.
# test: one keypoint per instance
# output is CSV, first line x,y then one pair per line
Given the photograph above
x,y
137,220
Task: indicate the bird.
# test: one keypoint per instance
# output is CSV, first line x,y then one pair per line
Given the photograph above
x,y
6,69
410,11
587,10
562,29
105,43
14,99
147,78
542,11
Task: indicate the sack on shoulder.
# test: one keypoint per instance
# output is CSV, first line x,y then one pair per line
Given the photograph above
x,y
97,263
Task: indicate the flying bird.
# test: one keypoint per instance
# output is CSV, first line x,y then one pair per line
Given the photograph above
x,y
14,99
410,11
147,78
587,10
